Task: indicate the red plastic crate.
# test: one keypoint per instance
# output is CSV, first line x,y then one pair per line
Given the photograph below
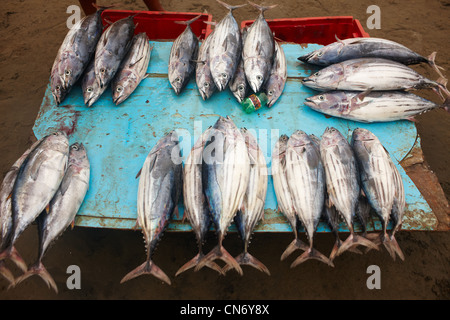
x,y
319,30
160,25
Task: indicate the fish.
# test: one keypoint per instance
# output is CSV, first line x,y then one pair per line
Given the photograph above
x,y
75,53
112,48
37,181
90,86
238,84
6,217
183,54
343,184
159,190
63,208
284,196
368,107
360,47
378,179
132,69
375,74
252,210
225,176
225,48
195,206
277,79
258,50
203,77
306,181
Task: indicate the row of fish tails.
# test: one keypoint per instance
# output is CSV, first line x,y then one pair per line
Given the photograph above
x,y
47,184
332,178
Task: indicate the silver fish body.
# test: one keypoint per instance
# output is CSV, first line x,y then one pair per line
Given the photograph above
x,y
62,209
112,48
90,86
159,190
225,49
278,75
377,106
183,55
368,73
74,54
258,51
133,68
203,76
238,84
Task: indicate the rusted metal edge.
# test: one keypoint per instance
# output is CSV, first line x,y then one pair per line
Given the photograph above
x,y
426,181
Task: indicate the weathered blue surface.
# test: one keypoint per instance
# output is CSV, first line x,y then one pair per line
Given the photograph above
x,y
118,138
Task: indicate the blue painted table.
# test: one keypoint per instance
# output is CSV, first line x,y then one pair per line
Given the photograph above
x,y
118,139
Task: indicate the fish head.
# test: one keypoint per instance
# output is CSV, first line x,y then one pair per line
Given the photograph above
x,y
205,83
222,72
327,77
273,89
298,139
58,140
323,56
78,155
361,134
123,88
281,145
331,137
328,102
239,90
256,71
91,90
68,70
178,75
59,92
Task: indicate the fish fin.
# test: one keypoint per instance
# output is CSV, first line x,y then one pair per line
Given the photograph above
x,y
64,186
412,119
294,245
355,240
246,258
442,87
431,61
219,252
72,224
136,225
139,173
9,197
229,7
336,247
47,208
360,96
148,267
34,170
39,269
262,8
102,8
194,261
146,76
189,21
211,23
132,64
311,253
7,274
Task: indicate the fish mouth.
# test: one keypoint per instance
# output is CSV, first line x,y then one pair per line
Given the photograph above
x,y
307,80
310,103
204,95
305,58
255,86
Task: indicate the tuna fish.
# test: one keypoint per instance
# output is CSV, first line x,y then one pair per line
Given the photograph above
x,y
6,218
238,84
62,210
306,180
74,54
225,48
195,205
112,48
226,170
258,51
377,106
354,48
183,55
37,181
252,210
277,78
159,191
378,179
203,76
283,194
374,74
90,86
133,68
343,184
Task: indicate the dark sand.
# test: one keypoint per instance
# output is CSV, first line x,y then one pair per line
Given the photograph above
x,y
31,32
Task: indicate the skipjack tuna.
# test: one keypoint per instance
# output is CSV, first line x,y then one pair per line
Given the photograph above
x,y
378,106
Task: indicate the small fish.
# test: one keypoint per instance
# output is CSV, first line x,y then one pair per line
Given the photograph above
x,y
252,210
62,210
183,55
203,76
238,84
306,180
343,184
160,188
133,68
225,48
258,50
367,106
90,86
112,48
354,48
277,78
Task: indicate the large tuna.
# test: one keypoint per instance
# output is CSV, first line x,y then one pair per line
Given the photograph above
x,y
203,76
278,76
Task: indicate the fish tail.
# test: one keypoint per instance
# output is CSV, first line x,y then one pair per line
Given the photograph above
x,y
194,262
442,90
246,258
102,8
189,21
375,237
262,8
11,253
39,269
6,273
354,240
336,247
148,267
431,61
294,245
446,104
219,252
311,253
230,7
395,248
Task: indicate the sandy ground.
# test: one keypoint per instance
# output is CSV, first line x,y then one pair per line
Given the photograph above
x,y
31,32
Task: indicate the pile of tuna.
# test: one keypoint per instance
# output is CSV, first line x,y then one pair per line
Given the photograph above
x,y
46,184
115,57
243,60
368,80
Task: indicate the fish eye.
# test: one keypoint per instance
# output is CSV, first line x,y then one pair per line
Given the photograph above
x,y
321,98
89,89
206,84
67,72
75,147
270,92
177,79
58,87
258,77
119,89
241,87
316,74
102,70
320,53
224,75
